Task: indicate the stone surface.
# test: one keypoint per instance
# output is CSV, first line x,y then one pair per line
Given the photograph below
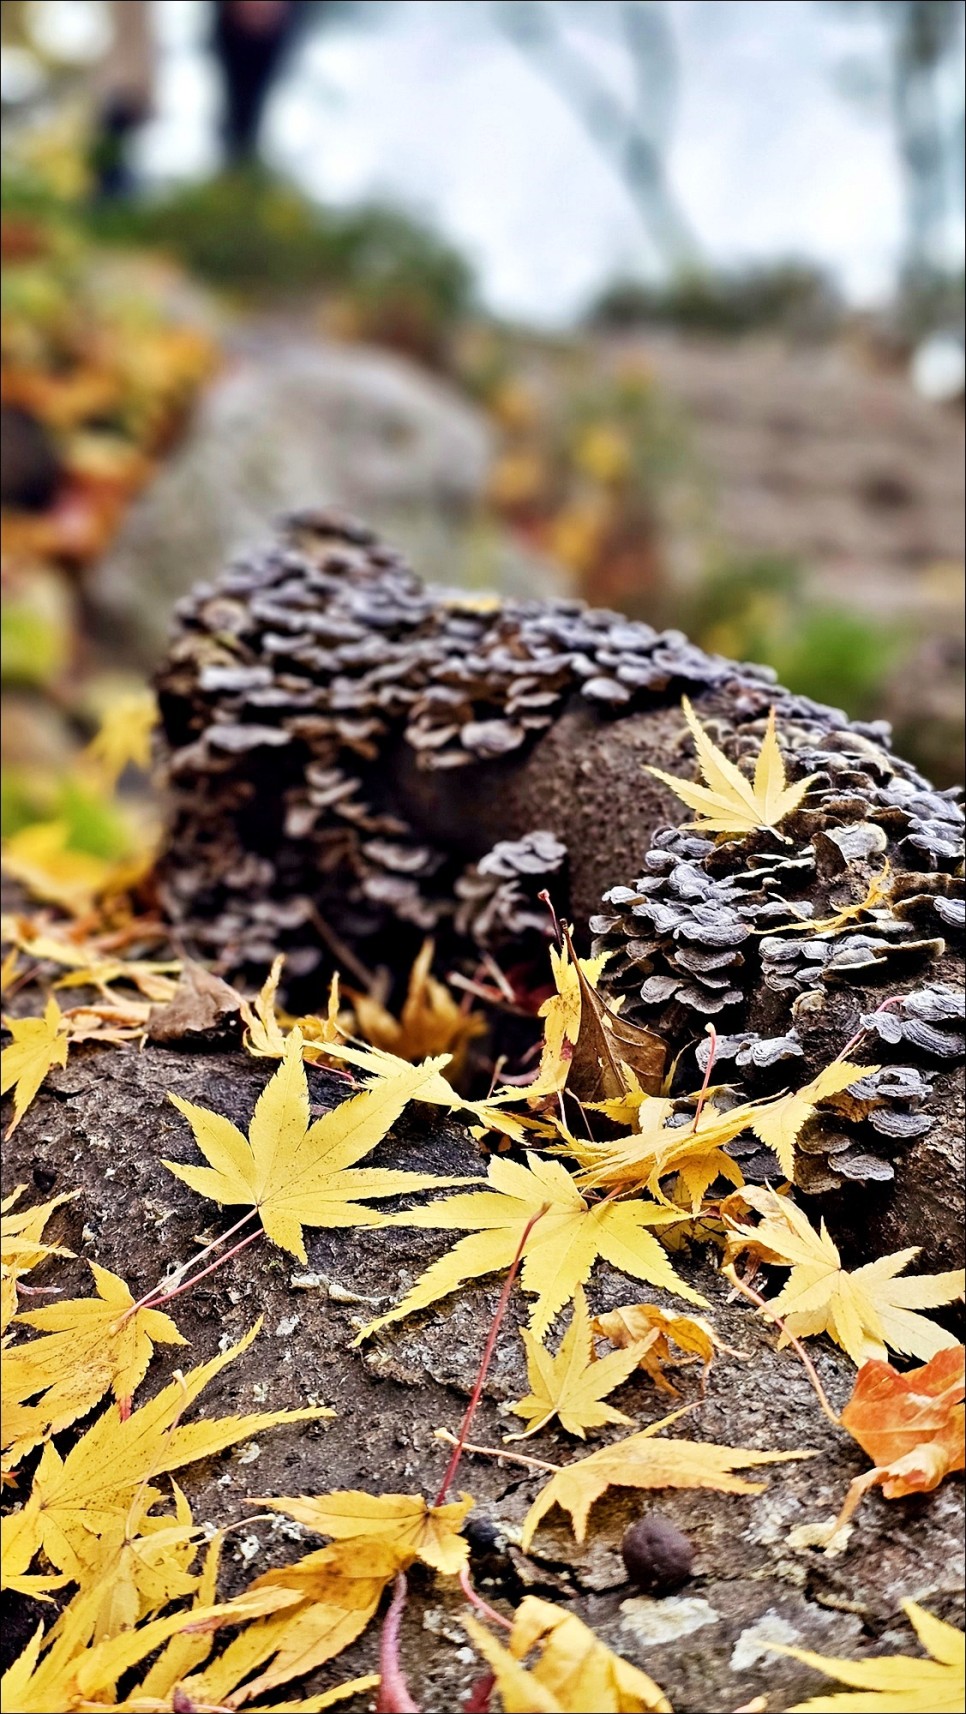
x,y
294,421
102,1125
819,453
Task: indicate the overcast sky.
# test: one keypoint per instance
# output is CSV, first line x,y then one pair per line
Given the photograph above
x,y
433,108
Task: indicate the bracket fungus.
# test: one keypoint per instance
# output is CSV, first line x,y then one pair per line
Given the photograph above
x,y
354,760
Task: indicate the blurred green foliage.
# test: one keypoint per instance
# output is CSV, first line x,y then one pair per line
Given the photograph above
x,y
35,633
255,235
931,299
759,608
795,298
93,821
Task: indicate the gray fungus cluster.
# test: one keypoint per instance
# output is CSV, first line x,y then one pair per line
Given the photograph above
x,y
329,721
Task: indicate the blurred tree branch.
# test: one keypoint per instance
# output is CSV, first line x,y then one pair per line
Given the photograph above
x,y
920,77
629,127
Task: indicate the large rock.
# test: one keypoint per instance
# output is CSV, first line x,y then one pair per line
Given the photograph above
x,y
290,422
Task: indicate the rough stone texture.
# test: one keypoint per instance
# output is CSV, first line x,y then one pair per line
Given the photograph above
x,y
290,419
819,456
819,453
102,1125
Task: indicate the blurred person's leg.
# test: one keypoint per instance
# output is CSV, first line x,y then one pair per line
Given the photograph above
x,y
124,88
250,39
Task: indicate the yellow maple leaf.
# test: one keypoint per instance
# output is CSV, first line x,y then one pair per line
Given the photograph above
x,y
8,1303
35,1686
572,1384
436,1091
868,1311
266,1028
21,1248
124,737
564,1242
728,802
574,1671
693,1151
38,1044
318,1032
90,1345
405,1521
641,1461
161,1690
156,981
561,1015
21,1233
895,1684
82,1494
299,1174
521,1692
576,1666
651,1332
779,1122
264,1036
141,1565
333,1592
878,892
328,1698
186,1650
75,1676
431,1020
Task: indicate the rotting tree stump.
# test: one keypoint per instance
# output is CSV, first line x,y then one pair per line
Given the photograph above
x,y
353,760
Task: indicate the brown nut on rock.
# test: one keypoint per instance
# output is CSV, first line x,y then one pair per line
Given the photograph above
x,y
657,1557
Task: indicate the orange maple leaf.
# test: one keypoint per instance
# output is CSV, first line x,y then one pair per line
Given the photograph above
x,y
911,1425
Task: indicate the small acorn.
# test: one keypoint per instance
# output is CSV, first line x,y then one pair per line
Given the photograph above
x,y
656,1555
